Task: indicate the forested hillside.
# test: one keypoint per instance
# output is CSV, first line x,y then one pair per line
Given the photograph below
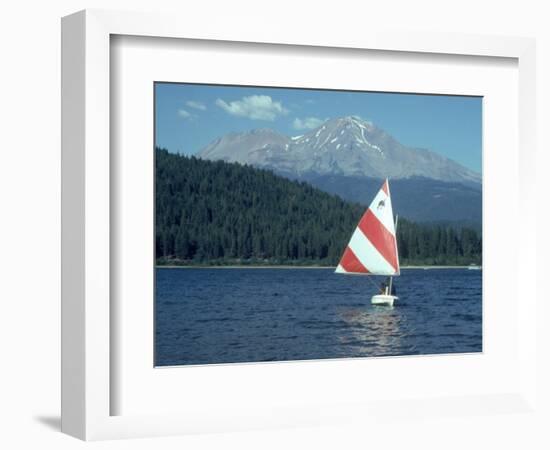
x,y
221,213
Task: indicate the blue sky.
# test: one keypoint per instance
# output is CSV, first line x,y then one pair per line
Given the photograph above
x,y
190,116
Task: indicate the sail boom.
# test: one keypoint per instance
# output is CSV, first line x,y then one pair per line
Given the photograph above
x,y
343,272
339,269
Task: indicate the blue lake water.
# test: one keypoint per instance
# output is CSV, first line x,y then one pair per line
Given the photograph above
x,y
207,316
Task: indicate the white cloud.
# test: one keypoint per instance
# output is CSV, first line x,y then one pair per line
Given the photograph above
x,y
196,105
184,114
255,107
307,123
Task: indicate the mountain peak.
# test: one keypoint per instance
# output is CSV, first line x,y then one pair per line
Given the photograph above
x,y
351,121
343,134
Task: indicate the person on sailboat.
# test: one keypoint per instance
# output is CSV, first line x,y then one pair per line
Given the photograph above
x,y
385,287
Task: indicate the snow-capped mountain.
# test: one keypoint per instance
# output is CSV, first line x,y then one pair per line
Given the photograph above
x,y
345,146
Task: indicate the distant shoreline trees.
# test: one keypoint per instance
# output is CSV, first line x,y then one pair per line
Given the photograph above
x,y
433,244
218,213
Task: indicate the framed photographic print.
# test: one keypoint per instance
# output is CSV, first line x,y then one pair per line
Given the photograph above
x,y
319,216
255,226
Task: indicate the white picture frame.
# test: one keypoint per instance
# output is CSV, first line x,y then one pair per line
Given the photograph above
x,y
87,328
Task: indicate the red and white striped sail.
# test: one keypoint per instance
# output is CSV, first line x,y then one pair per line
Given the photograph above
x,y
373,246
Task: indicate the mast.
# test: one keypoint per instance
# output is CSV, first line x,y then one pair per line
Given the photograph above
x,y
391,277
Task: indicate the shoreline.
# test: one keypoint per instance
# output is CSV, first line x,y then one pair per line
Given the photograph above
x,y
287,267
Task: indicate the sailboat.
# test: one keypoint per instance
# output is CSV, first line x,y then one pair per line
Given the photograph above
x,y
372,249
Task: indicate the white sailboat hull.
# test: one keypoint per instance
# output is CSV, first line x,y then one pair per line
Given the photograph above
x,y
382,299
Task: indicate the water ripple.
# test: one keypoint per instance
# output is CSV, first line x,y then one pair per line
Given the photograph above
x,y
240,315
